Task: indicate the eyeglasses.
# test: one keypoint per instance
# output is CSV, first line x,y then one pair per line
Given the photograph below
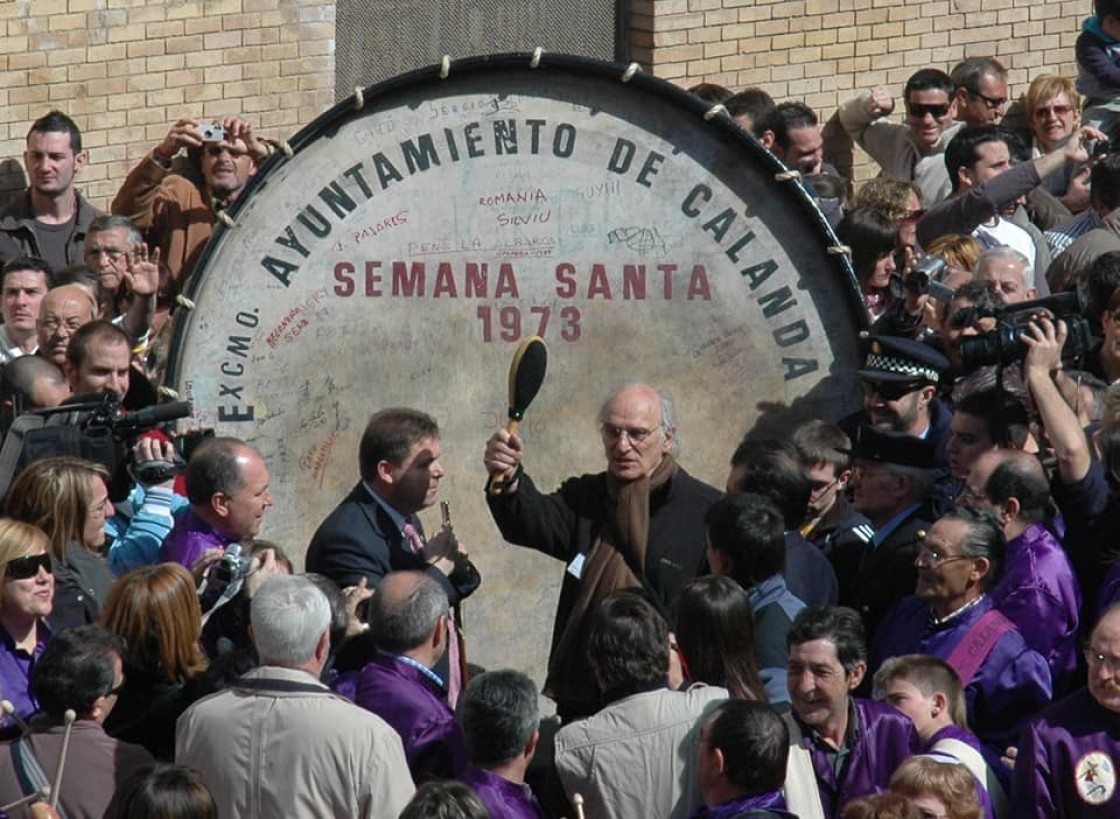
x,y
1098,659
889,390
26,567
634,434
993,103
115,691
919,110
935,557
1056,110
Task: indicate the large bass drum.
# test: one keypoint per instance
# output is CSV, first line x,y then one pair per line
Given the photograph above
x,y
422,228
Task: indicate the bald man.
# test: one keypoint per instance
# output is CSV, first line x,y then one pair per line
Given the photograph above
x,y
62,312
1038,590
637,524
408,624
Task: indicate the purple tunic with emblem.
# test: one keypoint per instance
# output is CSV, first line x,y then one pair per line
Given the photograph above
x,y
1067,762
1010,685
189,538
1039,593
509,800
416,707
880,737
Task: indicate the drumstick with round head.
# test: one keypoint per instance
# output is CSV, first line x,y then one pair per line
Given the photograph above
x,y
577,803
526,374
68,718
9,709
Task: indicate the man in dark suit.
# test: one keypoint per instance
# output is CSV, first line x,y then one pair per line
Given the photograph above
x,y
374,531
893,482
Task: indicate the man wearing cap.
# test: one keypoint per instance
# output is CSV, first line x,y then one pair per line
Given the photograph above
x,y
892,480
900,377
952,616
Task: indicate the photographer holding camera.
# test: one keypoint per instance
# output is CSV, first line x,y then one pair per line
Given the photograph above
x,y
175,200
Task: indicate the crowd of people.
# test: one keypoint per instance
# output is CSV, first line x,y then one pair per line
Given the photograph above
x,y
913,611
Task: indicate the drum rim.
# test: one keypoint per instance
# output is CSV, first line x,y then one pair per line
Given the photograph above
x,y
481,65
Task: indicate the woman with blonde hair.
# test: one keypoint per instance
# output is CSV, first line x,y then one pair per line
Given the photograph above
x,y
941,790
155,609
1053,109
68,499
26,596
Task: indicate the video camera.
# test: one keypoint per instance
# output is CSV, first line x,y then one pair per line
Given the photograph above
x,y
92,428
1004,345
925,277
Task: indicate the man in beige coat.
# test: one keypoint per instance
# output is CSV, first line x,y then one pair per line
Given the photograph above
x,y
279,743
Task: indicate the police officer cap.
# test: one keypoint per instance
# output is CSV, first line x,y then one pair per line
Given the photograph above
x,y
890,358
893,448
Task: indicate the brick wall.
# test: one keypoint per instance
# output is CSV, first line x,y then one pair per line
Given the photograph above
x,y
126,69
825,51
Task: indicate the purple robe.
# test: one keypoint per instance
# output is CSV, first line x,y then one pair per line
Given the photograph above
x,y
1039,593
416,707
1067,763
773,802
880,738
15,672
189,538
509,800
1010,685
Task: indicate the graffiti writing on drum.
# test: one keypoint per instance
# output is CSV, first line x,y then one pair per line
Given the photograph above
x,y
529,227
298,319
315,460
367,232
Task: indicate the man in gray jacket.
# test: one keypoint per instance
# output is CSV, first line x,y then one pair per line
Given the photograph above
x,y
279,743
637,756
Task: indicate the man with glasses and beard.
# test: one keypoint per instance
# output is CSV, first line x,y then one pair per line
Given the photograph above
x,y
913,152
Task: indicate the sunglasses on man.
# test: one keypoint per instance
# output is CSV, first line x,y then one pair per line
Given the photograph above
x,y
919,110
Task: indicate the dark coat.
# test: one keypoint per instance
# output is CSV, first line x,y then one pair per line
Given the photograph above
x,y
359,539
566,523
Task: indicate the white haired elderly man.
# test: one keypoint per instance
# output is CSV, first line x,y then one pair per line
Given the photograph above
x,y
278,742
1009,271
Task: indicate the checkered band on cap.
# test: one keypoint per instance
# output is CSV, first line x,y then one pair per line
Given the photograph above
x,y
901,366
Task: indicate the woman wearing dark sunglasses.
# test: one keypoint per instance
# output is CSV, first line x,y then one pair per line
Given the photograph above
x,y
26,597
67,498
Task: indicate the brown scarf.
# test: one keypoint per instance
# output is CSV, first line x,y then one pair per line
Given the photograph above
x,y
605,570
